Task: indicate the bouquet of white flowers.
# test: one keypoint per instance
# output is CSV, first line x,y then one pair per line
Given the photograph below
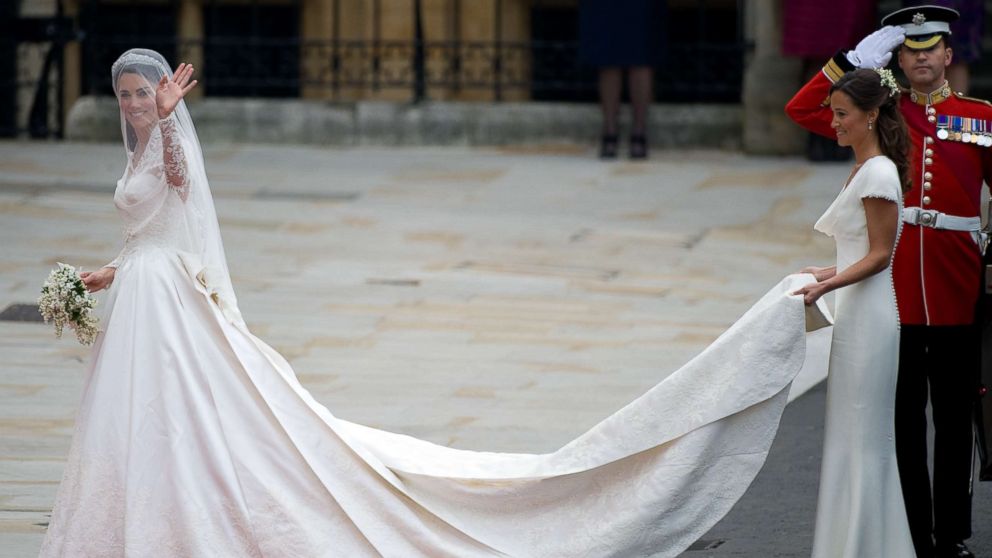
x,y
65,301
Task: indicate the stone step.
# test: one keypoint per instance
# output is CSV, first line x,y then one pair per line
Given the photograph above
x,y
295,121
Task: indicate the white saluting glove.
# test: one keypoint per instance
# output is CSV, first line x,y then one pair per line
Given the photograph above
x,y
875,50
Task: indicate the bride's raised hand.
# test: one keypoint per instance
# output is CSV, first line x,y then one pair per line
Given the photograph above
x,y
170,91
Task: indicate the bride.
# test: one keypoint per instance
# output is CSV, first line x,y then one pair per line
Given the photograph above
x,y
195,439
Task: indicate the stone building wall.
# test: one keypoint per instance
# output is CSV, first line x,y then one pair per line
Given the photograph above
x,y
461,24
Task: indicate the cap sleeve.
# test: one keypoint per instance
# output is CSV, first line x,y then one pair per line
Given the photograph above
x,y
881,181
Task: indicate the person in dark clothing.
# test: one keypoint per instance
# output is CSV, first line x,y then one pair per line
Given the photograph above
x,y
618,36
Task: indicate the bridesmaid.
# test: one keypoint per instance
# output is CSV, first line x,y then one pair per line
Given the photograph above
x,y
860,511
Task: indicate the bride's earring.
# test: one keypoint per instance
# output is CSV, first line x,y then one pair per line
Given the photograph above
x,y
869,124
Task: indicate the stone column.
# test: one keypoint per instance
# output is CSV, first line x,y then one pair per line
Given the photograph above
x,y
479,23
770,80
345,20
190,34
72,64
316,25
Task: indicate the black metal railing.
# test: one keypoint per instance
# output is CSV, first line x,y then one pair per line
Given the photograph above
x,y
539,69
254,49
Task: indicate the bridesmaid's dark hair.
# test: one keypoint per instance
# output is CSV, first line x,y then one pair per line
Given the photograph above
x,y
866,90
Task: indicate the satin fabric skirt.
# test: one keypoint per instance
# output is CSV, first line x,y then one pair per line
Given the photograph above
x,y
860,510
195,439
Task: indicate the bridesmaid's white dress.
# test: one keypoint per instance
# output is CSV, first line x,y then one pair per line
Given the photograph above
x,y
860,512
195,439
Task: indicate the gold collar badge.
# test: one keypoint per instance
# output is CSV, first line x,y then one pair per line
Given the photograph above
x,y
941,94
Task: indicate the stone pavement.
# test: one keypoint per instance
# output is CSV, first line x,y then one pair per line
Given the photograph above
x,y
501,299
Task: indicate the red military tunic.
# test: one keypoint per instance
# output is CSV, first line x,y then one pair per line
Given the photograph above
x,y
937,272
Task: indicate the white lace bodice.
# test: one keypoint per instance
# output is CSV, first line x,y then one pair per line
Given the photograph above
x,y
151,196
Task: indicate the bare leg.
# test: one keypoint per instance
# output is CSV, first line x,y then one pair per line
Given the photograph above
x,y
609,97
609,100
640,82
640,79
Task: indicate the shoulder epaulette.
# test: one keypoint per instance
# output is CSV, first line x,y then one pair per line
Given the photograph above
x,y
964,97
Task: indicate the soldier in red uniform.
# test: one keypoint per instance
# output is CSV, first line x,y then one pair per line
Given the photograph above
x,y
936,265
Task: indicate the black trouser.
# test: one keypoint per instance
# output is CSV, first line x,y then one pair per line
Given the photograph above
x,y
942,362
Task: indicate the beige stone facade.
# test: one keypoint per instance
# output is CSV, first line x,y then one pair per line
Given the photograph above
x,y
362,50
450,27
365,30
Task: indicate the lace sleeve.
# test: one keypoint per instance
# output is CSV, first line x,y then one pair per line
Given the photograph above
x,y
174,158
116,261
128,233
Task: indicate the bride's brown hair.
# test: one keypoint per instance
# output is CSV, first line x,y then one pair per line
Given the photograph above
x,y
150,74
867,92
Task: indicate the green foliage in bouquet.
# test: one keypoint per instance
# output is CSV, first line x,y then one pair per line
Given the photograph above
x,y
65,301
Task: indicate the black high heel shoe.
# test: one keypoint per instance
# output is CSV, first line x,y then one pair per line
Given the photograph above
x,y
638,146
609,145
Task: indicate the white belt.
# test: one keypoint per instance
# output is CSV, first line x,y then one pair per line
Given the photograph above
x,y
938,220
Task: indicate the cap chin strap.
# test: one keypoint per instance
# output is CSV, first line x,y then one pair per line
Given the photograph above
x,y
923,44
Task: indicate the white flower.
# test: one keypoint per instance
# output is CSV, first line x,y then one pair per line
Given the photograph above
x,y
888,80
65,301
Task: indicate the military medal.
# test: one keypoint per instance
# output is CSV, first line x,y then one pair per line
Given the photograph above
x,y
965,130
943,122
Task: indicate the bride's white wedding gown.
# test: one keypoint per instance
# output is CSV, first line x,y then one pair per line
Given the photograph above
x,y
195,439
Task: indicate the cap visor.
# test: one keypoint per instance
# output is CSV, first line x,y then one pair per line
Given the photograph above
x,y
922,44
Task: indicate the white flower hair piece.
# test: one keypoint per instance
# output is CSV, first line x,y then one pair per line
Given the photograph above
x,y
888,80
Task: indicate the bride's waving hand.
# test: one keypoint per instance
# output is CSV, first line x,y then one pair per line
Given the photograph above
x,y
170,91
167,96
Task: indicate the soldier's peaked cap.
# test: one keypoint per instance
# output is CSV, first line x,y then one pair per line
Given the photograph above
x,y
924,25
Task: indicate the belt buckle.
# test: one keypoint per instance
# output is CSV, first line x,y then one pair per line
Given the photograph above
x,y
928,218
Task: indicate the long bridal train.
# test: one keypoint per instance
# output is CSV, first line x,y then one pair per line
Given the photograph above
x,y
195,438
